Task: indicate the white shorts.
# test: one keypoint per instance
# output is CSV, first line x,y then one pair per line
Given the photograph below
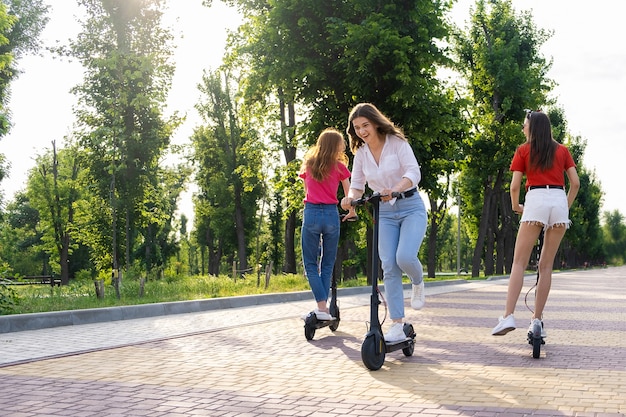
x,y
547,206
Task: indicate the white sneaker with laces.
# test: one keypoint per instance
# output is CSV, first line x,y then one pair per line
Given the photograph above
x,y
418,298
532,325
505,325
395,333
322,315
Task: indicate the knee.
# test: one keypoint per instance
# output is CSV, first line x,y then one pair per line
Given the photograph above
x,y
406,262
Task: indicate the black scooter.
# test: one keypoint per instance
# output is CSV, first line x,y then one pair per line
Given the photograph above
x,y
311,322
534,336
374,347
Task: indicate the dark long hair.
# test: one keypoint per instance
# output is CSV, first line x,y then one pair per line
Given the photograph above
x,y
371,113
542,145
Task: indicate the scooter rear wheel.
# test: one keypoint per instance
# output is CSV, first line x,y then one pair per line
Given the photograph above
x,y
536,335
409,332
371,359
334,311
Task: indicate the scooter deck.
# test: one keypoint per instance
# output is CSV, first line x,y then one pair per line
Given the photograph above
x,y
399,344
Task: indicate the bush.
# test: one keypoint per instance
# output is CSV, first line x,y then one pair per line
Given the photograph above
x,y
8,297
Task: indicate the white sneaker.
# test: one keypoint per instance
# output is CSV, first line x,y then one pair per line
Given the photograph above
x,y
532,325
418,298
505,325
395,333
322,315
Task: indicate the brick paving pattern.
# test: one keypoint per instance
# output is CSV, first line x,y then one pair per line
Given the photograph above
x,y
255,361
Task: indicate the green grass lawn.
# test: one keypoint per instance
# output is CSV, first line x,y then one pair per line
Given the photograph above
x,y
81,295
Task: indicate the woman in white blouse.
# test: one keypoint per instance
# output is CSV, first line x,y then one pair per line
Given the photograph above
x,y
385,161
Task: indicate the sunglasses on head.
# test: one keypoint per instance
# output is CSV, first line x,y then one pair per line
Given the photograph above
x,y
529,112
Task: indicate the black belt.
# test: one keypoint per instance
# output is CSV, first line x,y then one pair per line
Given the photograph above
x,y
560,187
407,194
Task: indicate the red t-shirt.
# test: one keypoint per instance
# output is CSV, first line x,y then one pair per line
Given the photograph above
x,y
325,192
554,176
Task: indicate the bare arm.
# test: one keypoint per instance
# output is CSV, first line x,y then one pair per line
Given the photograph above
x,y
346,191
516,184
574,185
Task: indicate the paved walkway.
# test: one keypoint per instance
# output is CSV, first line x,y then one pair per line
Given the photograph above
x,y
255,361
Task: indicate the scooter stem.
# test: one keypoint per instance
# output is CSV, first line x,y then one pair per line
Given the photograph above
x,y
375,300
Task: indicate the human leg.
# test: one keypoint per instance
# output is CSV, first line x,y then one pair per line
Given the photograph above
x,y
412,231
330,241
388,235
526,238
551,241
311,233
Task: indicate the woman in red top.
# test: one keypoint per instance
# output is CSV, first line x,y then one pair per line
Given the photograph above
x,y
543,161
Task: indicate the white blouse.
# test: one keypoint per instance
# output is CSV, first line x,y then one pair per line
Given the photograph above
x,y
397,160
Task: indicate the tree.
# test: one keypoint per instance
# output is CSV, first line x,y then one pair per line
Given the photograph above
x,y
615,236
53,189
126,55
229,155
500,59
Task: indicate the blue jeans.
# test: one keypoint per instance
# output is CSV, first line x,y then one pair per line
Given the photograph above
x,y
402,227
320,221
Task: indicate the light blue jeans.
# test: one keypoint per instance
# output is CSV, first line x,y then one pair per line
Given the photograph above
x,y
402,227
320,221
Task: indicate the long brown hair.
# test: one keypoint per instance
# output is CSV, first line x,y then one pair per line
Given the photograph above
x,y
371,113
321,159
542,145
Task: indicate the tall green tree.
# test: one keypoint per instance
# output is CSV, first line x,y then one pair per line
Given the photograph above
x,y
127,58
229,156
500,58
615,236
53,189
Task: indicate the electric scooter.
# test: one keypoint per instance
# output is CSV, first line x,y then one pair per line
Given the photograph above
x,y
374,346
534,336
311,322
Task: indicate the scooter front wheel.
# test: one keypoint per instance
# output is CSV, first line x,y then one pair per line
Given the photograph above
x,y
309,326
373,352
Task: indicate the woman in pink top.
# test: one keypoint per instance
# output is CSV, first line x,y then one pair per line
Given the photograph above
x,y
543,160
324,167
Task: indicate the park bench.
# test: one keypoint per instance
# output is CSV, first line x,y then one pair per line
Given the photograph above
x,y
33,280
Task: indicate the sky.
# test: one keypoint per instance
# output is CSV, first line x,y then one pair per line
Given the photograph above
x,y
589,67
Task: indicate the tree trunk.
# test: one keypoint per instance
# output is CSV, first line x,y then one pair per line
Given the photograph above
x,y
288,126
240,231
490,237
483,228
437,214
290,244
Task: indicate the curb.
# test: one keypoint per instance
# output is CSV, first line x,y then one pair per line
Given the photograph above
x,y
37,321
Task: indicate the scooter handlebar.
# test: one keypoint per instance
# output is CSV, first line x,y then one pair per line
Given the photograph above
x,y
363,200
